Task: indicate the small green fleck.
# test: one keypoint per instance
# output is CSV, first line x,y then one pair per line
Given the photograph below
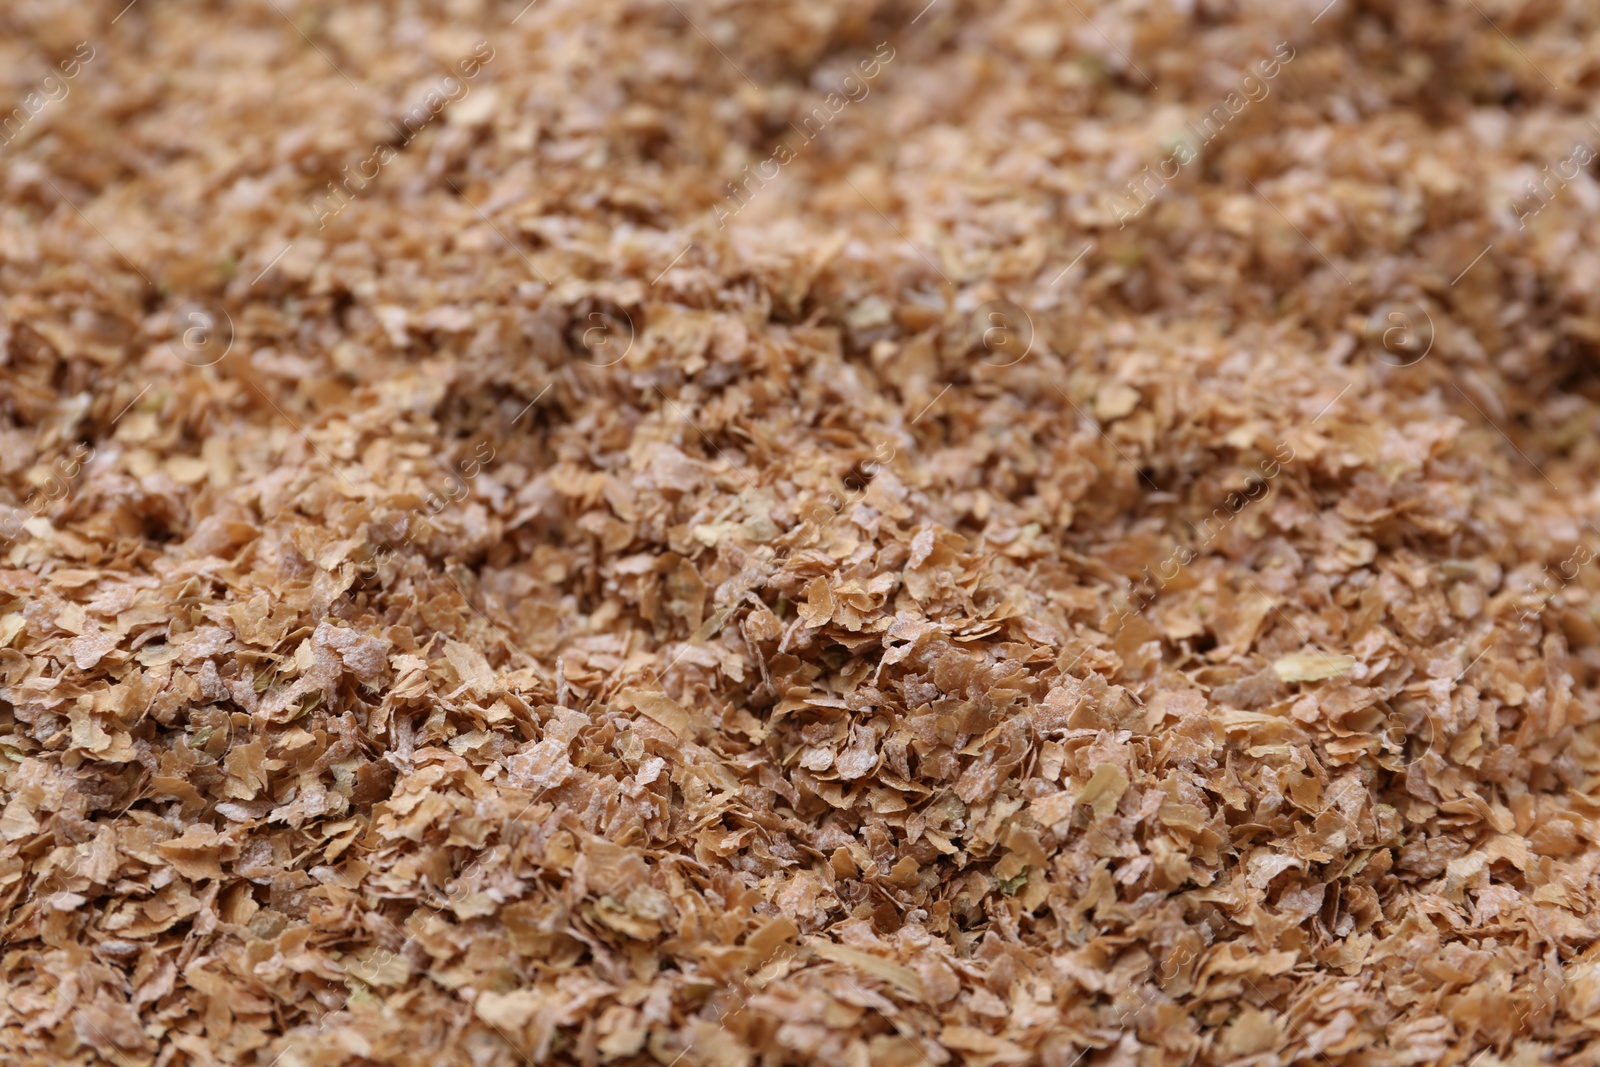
x,y
1129,255
361,996
1010,886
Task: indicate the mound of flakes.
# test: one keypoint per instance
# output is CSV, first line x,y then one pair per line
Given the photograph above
x,y
720,533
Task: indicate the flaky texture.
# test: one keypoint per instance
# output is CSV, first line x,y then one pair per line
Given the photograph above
x,y
572,602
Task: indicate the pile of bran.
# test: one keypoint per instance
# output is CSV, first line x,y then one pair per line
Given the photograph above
x,y
828,533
